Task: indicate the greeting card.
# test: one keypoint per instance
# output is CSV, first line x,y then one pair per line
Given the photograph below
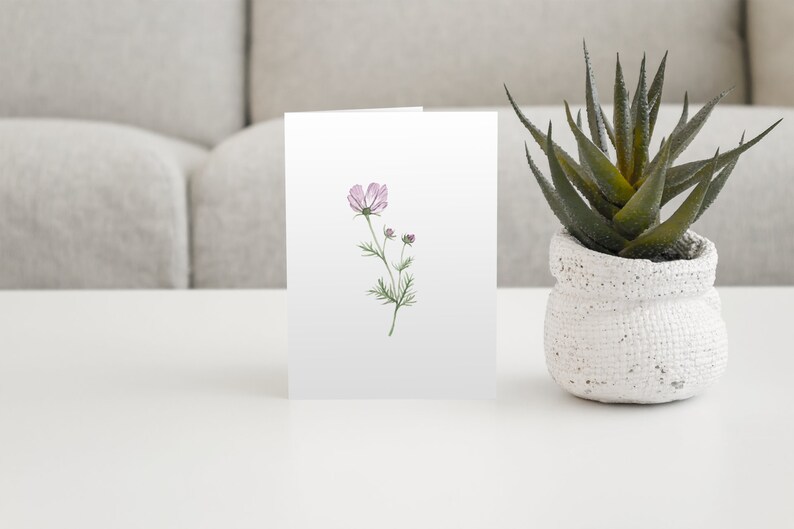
x,y
391,254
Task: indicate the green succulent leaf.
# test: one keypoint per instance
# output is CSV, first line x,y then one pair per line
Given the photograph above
x,y
616,208
622,117
576,173
608,126
555,203
583,181
655,93
642,211
605,175
687,132
684,176
681,122
594,117
539,136
641,129
717,184
591,223
661,237
578,177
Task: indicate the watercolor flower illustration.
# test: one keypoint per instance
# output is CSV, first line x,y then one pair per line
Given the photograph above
x,y
398,290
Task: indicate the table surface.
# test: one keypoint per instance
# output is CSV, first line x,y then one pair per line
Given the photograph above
x,y
169,410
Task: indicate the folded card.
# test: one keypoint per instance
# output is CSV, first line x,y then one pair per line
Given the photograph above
x,y
391,254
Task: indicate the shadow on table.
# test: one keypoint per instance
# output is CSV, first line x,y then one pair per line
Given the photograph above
x,y
258,381
541,391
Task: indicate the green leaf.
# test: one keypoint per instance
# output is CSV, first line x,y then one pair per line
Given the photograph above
x,y
660,238
641,129
402,265
594,118
716,185
576,173
684,176
622,117
555,203
407,294
368,250
591,223
687,133
608,126
655,93
676,130
605,175
383,293
583,182
642,211
539,136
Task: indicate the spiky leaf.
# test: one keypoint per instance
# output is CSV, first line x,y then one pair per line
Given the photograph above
x,y
594,118
655,94
684,176
538,135
642,210
716,185
681,122
608,126
605,175
622,116
684,116
584,183
641,129
687,133
660,238
594,225
555,203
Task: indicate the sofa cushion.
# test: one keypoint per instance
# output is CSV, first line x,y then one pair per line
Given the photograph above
x,y
173,66
237,212
90,205
771,44
332,54
238,203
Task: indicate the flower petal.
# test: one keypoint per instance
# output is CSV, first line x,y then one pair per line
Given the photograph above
x,y
372,192
378,207
356,198
380,198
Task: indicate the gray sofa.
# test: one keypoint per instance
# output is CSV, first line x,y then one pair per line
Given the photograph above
x,y
141,141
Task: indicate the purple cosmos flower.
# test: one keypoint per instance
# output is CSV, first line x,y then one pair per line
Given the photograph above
x,y
388,232
374,201
409,238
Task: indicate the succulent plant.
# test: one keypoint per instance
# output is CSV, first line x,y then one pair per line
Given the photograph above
x,y
614,207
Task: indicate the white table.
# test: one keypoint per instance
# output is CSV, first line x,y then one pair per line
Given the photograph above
x,y
168,410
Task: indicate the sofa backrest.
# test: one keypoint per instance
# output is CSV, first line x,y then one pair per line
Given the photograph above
x,y
172,66
322,54
770,29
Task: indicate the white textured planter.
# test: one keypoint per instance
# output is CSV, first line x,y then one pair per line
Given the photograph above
x,y
633,330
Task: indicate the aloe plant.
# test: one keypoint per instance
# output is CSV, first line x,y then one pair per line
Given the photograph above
x,y
614,207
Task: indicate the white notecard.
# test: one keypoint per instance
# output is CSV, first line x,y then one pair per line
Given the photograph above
x,y
430,178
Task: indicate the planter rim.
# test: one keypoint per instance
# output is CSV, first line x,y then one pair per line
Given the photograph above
x,y
584,271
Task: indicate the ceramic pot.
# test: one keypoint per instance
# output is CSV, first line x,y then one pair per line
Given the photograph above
x,y
634,330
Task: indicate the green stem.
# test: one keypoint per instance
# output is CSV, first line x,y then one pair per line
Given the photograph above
x,y
394,319
400,273
382,253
